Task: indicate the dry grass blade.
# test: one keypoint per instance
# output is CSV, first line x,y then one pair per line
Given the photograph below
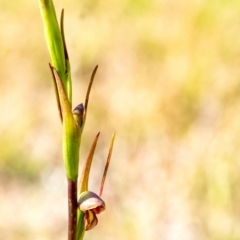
x,y
107,164
83,183
88,92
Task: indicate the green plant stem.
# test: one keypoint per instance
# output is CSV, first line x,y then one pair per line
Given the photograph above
x,y
80,226
72,209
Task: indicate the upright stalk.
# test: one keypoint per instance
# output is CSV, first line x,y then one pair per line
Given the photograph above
x,y
81,213
72,209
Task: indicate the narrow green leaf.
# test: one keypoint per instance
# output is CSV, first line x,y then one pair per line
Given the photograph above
x,y
55,44
53,36
71,136
67,62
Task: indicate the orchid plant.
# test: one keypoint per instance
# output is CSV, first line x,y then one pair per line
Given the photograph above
x,y
83,205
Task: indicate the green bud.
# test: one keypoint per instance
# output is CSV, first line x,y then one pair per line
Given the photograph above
x,y
78,114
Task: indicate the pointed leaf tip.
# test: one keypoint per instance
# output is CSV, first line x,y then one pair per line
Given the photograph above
x,y
107,164
83,183
88,92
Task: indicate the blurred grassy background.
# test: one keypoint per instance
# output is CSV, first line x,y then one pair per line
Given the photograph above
x,y
168,84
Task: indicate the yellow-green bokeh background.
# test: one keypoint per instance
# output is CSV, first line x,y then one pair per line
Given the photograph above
x,y
168,84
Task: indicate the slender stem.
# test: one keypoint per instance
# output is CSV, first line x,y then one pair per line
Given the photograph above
x,y
72,209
